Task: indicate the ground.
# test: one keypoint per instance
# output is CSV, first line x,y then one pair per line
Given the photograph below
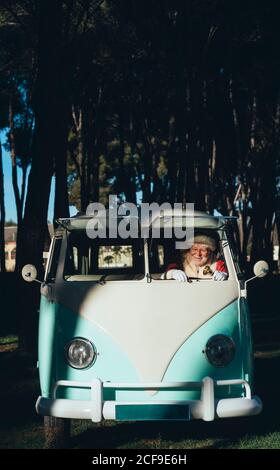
x,y
20,427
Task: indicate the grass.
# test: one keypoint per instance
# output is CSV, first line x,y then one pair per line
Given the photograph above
x,y
29,436
10,339
269,441
8,343
21,428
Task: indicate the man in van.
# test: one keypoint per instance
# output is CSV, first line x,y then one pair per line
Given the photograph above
x,y
199,261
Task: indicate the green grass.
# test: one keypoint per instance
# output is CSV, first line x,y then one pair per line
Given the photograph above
x,y
269,441
8,339
8,343
21,428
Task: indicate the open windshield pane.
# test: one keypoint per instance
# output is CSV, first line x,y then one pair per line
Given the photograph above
x,y
102,259
115,257
200,261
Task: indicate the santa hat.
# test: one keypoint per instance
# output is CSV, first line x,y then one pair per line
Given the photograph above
x,y
205,240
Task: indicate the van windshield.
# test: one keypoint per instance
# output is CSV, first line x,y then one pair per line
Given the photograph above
x,y
102,259
200,261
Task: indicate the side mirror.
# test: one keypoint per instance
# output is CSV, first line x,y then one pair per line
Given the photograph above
x,y
261,269
29,273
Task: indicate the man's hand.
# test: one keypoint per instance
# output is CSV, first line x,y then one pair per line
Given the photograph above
x,y
220,276
178,275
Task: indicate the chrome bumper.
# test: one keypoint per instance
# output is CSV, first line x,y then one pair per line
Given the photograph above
x,y
206,408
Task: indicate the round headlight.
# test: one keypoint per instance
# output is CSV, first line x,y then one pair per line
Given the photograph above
x,y
80,353
220,350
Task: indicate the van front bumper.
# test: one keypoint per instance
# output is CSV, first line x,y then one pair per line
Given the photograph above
x,y
206,408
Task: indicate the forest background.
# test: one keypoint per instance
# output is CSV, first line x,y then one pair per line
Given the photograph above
x,y
153,101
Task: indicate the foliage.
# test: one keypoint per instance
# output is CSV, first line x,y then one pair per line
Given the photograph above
x,y
10,223
161,101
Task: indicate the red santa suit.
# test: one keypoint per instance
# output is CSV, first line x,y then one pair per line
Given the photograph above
x,y
205,271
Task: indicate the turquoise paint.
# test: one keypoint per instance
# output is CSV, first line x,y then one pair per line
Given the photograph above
x,y
190,364
111,364
58,325
247,340
47,346
152,412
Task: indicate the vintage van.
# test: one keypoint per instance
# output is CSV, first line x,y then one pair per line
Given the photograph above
x,y
118,341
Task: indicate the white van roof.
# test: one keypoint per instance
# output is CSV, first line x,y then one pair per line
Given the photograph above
x,y
157,219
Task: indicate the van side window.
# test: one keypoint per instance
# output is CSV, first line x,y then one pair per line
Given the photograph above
x,y
232,236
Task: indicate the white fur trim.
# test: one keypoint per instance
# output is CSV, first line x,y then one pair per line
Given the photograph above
x,y
205,240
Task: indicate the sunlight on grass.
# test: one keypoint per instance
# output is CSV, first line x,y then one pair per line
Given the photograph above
x,y
8,339
269,441
8,343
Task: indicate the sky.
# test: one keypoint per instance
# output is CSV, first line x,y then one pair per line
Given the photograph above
x,y
10,205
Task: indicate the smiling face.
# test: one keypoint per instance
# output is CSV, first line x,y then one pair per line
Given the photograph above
x,y
199,254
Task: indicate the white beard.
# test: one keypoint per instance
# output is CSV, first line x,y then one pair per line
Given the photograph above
x,y
193,270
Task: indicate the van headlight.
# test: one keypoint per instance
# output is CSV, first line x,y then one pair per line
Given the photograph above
x,y
220,350
80,353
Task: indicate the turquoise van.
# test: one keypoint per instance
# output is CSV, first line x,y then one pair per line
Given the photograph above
x,y
118,341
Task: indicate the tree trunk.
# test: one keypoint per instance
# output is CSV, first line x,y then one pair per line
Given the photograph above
x,y
57,432
81,157
263,208
61,116
171,160
23,187
121,169
19,198
61,200
2,216
99,146
94,190
46,102
130,190
204,151
14,164
147,160
22,196
191,141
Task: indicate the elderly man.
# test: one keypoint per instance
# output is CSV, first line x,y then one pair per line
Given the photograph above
x,y
199,261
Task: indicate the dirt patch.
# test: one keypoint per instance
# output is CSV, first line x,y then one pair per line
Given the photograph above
x,y
8,347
